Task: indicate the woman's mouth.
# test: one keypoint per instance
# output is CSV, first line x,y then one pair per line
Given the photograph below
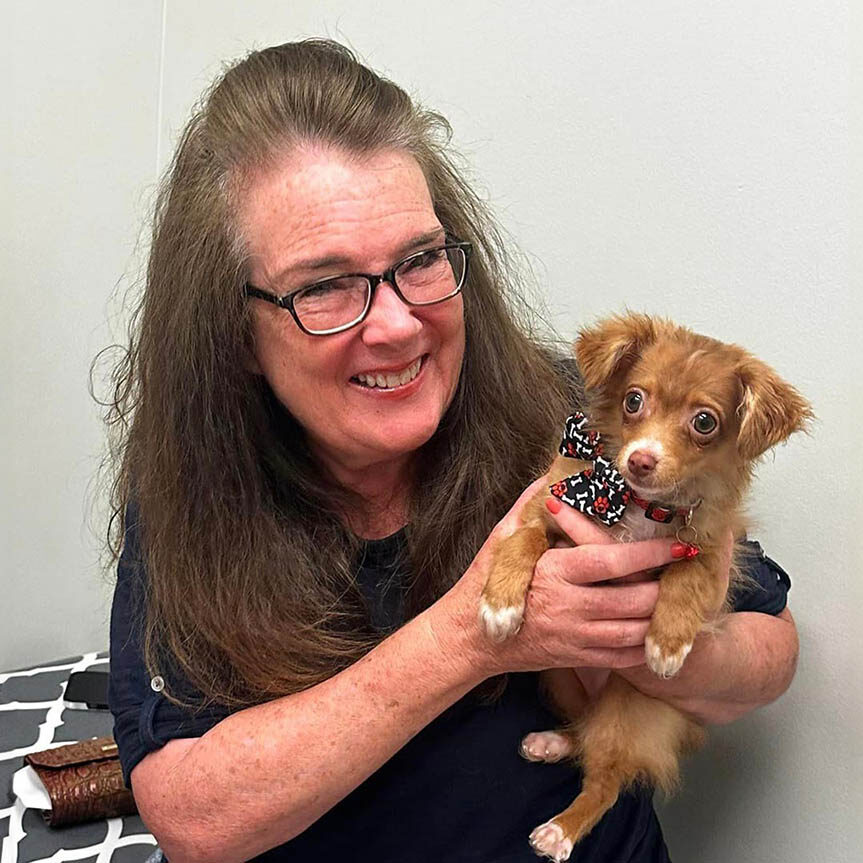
x,y
390,380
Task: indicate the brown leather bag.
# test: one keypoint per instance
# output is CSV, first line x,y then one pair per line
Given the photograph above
x,y
84,781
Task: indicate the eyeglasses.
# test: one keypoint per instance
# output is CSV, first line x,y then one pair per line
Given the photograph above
x,y
337,304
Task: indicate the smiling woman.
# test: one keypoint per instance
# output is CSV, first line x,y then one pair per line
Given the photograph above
x,y
332,396
358,214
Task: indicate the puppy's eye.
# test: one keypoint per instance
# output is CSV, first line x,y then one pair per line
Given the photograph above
x,y
705,423
633,401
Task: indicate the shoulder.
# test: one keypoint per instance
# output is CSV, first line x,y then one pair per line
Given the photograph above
x,y
764,584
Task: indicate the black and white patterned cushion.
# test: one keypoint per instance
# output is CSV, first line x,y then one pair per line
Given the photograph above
x,y
34,716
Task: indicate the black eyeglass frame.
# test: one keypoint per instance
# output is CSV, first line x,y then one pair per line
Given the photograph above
x,y
389,276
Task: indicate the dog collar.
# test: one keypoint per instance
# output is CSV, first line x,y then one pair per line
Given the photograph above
x,y
665,513
601,491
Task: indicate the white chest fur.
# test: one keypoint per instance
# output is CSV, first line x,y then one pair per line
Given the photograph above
x,y
634,527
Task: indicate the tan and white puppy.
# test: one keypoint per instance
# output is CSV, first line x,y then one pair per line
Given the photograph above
x,y
684,418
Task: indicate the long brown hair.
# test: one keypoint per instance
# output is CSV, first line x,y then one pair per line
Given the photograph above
x,y
250,570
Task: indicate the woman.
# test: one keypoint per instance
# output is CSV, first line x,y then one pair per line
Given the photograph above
x,y
310,466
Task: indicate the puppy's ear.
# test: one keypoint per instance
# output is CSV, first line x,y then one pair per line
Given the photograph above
x,y
612,346
770,411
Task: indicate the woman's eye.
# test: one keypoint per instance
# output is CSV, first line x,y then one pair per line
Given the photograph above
x,y
321,289
633,402
704,423
423,261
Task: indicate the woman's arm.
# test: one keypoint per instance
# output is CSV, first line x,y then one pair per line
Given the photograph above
x,y
747,662
264,774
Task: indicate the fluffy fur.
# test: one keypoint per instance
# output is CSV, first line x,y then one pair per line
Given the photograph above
x,y
654,390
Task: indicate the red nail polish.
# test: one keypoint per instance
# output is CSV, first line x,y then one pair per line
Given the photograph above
x,y
684,550
553,505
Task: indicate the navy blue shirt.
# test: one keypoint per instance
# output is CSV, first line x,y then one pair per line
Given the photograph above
x,y
458,791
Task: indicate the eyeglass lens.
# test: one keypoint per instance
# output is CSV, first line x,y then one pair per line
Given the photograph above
x,y
422,279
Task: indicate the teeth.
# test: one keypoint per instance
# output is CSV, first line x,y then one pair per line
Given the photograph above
x,y
394,379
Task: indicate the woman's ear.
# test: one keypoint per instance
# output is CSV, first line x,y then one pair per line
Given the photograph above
x,y
771,409
612,346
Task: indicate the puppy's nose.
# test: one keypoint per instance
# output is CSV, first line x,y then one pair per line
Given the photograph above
x,y
641,463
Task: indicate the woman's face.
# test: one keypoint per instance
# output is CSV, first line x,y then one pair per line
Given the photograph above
x,y
320,213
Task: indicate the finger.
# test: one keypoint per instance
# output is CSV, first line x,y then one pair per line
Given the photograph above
x,y
579,528
586,564
614,633
620,657
614,602
635,577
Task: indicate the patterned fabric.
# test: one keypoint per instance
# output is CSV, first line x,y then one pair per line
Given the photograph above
x,y
599,491
34,716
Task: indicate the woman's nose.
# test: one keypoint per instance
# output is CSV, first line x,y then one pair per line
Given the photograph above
x,y
389,319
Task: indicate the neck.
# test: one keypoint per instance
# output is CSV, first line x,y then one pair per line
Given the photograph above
x,y
657,510
383,489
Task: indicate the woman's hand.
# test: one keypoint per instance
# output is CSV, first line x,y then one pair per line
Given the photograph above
x,y
579,611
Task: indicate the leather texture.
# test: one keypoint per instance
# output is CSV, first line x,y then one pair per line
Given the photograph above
x,y
84,781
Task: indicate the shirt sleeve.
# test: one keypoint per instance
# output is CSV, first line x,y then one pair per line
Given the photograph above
x,y
765,586
144,720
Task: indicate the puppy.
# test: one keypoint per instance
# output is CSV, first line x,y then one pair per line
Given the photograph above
x,y
675,422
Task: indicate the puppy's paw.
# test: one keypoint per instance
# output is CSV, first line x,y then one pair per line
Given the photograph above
x,y
550,841
547,746
662,660
500,623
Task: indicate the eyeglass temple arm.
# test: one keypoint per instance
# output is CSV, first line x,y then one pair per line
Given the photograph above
x,y
263,295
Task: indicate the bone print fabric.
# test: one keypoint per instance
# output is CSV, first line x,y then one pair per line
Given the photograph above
x,y
599,491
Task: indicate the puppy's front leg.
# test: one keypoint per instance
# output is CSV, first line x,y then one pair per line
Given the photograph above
x,y
513,561
690,594
503,597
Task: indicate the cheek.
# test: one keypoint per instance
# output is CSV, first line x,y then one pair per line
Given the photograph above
x,y
287,358
450,331
698,463
452,319
271,345
458,346
715,457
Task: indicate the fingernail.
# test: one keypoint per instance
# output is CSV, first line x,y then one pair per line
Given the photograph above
x,y
553,505
684,549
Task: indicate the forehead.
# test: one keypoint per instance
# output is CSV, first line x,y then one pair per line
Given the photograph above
x,y
319,203
689,371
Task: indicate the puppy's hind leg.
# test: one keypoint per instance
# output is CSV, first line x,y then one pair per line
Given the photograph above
x,y
625,738
548,746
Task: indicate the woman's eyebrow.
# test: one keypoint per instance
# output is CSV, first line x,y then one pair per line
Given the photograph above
x,y
329,262
436,235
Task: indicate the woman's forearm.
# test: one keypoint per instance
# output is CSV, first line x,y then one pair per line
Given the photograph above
x,y
264,774
747,662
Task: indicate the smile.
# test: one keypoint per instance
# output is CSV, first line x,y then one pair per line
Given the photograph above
x,y
390,380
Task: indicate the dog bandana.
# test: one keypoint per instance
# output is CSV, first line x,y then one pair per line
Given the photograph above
x,y
599,491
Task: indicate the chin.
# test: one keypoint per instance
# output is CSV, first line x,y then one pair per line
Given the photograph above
x,y
409,440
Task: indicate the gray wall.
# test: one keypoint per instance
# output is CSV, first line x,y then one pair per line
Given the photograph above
x,y
680,158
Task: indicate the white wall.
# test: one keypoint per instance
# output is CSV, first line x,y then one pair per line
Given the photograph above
x,y
78,155
681,158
